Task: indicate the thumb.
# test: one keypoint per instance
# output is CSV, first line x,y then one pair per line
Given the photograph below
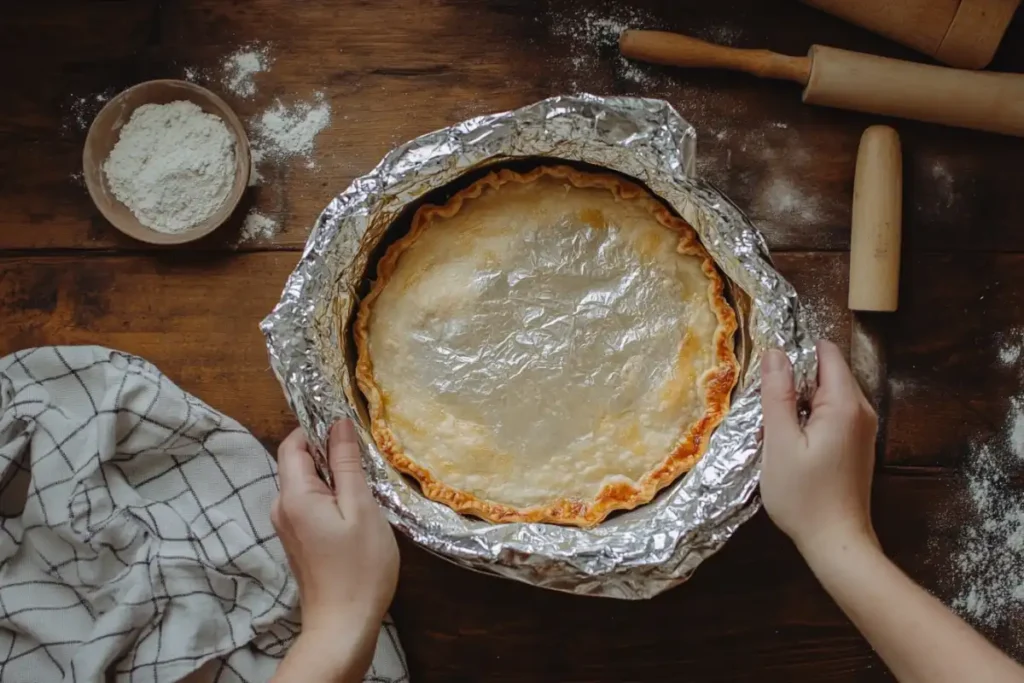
x,y
778,398
346,463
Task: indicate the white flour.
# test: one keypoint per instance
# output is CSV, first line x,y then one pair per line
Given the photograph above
x,y
592,35
241,67
257,227
944,183
1011,347
782,199
724,34
825,317
989,562
173,165
289,131
83,109
900,387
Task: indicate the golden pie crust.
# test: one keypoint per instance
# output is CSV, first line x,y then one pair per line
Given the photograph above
x,y
455,457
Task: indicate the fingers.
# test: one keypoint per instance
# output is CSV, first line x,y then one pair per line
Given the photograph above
x,y
295,467
778,398
836,384
347,468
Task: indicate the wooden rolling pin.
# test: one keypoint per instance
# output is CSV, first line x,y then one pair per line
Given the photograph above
x,y
877,222
851,80
961,33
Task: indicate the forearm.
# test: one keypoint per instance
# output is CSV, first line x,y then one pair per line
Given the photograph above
x,y
316,659
916,635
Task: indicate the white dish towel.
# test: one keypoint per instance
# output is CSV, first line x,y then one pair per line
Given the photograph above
x,y
135,535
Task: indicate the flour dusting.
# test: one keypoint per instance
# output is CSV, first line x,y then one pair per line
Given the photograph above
x,y
1015,428
285,131
724,34
901,387
240,69
257,227
782,199
82,109
1011,348
988,564
825,317
593,36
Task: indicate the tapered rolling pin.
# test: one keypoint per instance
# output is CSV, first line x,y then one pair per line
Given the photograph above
x,y
875,233
851,80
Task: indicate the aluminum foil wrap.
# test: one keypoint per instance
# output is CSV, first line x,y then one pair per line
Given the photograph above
x,y
632,555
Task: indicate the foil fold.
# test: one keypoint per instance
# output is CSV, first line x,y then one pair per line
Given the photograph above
x,y
633,555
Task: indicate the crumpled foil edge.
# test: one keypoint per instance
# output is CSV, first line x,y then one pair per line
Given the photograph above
x,y
634,555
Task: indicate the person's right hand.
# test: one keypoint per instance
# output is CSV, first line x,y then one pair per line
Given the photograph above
x,y
816,480
342,552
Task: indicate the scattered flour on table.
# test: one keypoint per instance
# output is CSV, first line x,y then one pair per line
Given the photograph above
x,y
782,199
725,34
824,317
285,131
593,35
257,227
82,109
901,387
988,564
1011,348
634,72
173,165
944,183
280,132
946,187
241,67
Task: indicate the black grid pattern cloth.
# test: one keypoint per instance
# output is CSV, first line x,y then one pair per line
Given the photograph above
x,y
135,534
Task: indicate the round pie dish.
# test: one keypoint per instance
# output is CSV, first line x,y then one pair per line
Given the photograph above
x,y
314,343
548,346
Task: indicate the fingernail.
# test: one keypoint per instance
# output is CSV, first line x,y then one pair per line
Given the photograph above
x,y
775,361
343,431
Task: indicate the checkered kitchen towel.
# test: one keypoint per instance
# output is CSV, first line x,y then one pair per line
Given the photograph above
x,y
135,539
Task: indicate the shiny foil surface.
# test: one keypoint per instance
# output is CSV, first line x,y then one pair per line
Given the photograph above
x,y
632,555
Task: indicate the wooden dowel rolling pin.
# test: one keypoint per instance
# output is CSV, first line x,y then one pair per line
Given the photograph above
x,y
851,80
877,219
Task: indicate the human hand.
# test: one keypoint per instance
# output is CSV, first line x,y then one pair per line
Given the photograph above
x,y
816,480
340,548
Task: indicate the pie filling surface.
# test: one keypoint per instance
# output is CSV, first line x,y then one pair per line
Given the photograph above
x,y
549,346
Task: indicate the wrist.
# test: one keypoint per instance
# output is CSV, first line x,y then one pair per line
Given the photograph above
x,y
336,656
831,545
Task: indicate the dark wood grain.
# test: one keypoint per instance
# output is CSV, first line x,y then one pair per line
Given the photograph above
x,y
197,319
751,613
394,69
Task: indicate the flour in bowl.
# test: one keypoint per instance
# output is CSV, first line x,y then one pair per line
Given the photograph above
x,y
173,165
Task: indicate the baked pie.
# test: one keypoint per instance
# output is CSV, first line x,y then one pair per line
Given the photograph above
x,y
548,346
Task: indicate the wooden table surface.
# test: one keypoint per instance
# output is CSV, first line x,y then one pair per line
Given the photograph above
x,y
393,69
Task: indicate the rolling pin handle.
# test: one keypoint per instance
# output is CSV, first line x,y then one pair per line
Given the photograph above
x,y
876,224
